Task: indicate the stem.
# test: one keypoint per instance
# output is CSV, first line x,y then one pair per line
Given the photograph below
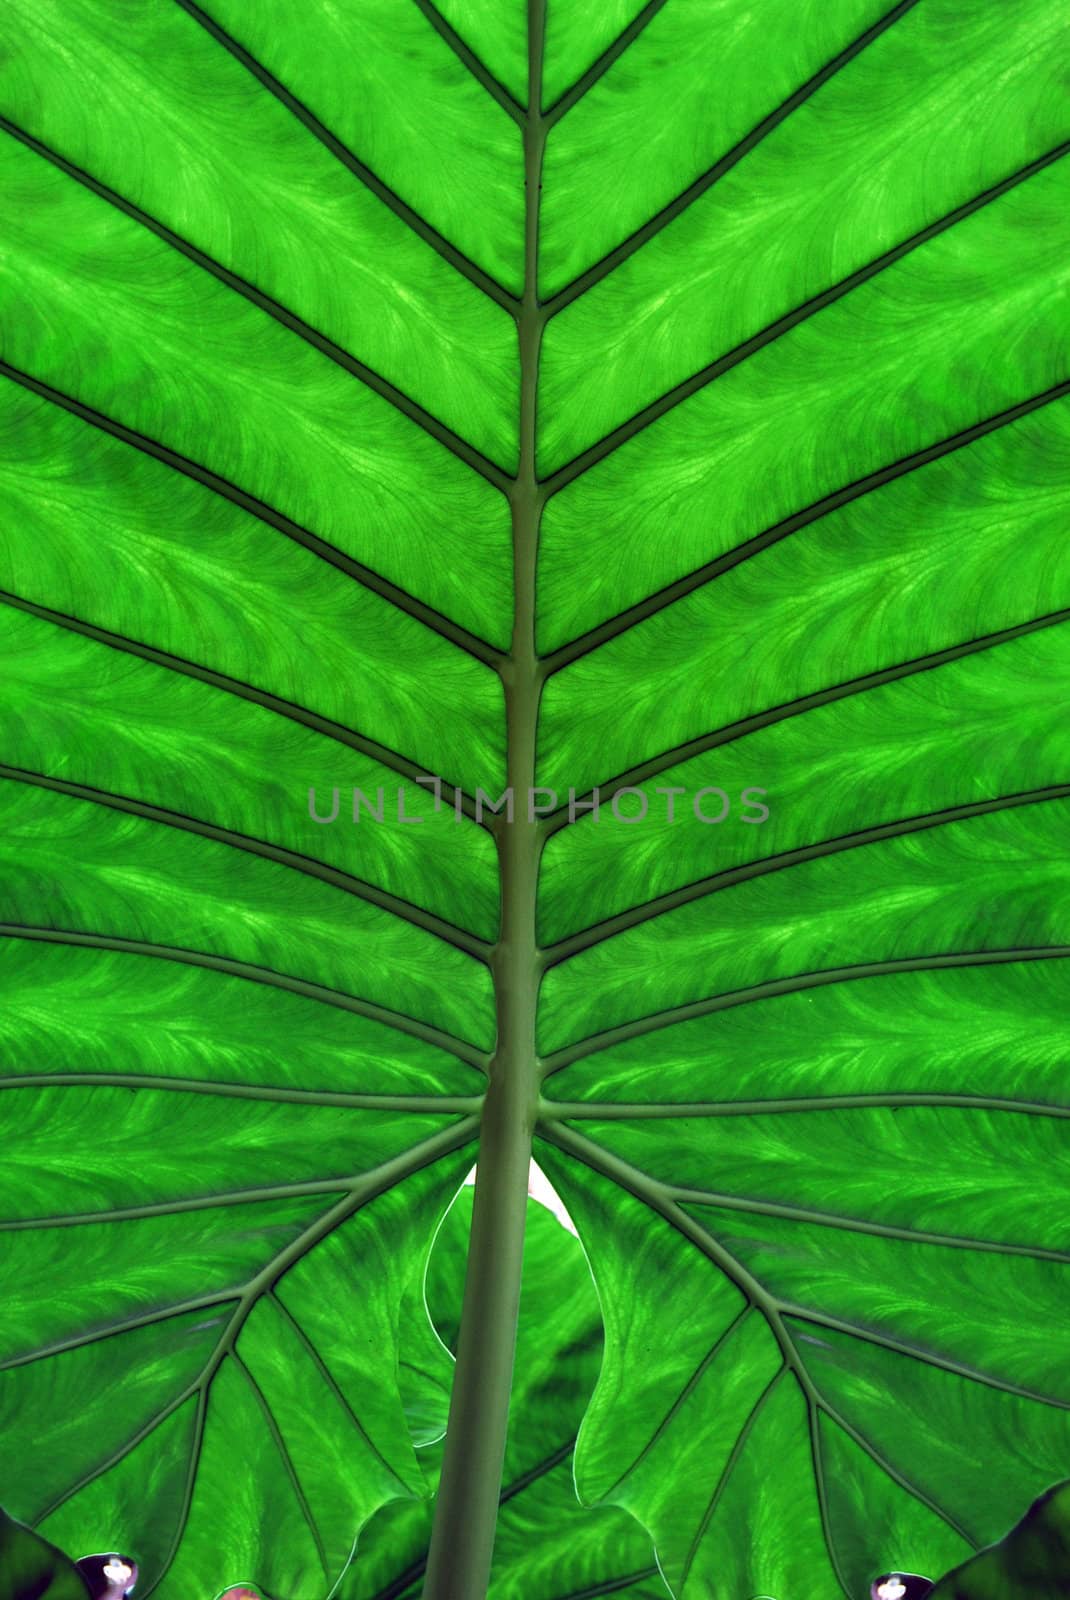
x,y
466,1507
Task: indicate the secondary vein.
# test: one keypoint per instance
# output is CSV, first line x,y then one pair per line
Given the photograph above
x,y
733,1457
331,1381
899,827
255,974
372,1183
216,484
416,916
638,1026
284,1455
880,1230
681,1399
813,1419
652,604
654,1195
391,759
422,228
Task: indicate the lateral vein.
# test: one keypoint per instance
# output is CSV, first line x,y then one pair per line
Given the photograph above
x,y
733,1457
594,1591
284,1455
584,643
341,152
388,758
390,1172
654,1195
474,63
135,1439
416,916
958,1369
598,68
601,269
436,429
659,1198
813,1420
146,1319
463,1105
409,604
775,330
616,1110
313,1353
665,759
255,974
681,1399
636,916
880,1230
639,1026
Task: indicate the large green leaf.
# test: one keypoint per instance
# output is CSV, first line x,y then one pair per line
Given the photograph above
x,y
694,422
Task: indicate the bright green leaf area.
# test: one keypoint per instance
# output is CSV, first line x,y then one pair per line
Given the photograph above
x,y
400,403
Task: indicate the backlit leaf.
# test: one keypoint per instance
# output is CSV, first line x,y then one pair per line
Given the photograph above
x,y
400,404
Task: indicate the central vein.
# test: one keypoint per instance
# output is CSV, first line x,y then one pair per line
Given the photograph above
x,y
466,1507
